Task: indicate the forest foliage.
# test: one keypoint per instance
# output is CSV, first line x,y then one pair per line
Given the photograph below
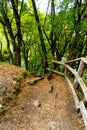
x,y
28,36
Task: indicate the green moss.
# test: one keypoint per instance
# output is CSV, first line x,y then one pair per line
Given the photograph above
x,y
25,74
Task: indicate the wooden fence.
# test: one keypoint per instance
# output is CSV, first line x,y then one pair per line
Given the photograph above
x,y
82,63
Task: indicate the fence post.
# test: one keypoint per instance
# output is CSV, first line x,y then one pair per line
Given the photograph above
x,y
84,114
80,72
65,71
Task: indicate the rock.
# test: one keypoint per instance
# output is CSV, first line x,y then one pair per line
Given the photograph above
x,y
0,105
56,95
37,103
14,83
31,82
51,89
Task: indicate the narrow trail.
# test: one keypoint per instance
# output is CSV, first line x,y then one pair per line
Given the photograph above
x,y
57,110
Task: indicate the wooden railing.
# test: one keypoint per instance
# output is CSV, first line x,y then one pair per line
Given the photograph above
x,y
82,62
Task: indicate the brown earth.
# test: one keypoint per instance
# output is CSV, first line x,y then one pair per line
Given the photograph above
x,y
57,110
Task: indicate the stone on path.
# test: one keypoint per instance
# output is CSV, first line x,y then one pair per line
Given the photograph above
x,y
50,89
0,105
37,103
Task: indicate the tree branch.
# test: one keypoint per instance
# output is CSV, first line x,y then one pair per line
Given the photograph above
x,y
21,7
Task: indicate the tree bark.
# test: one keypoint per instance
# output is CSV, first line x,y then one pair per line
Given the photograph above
x,y
18,25
77,44
8,46
1,56
7,23
40,35
52,37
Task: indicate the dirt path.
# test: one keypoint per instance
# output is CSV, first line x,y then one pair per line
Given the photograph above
x,y
57,111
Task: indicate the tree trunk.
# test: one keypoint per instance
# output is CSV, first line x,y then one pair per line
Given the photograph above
x,y
10,31
40,35
19,35
52,35
1,57
25,54
8,46
77,44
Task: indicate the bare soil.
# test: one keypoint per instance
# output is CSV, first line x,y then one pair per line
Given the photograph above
x,y
57,110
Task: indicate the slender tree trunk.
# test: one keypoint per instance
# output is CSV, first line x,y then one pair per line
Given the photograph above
x,y
26,60
18,25
52,35
10,31
25,54
1,57
8,46
16,39
40,34
77,44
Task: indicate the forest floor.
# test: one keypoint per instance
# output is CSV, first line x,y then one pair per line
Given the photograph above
x,y
56,112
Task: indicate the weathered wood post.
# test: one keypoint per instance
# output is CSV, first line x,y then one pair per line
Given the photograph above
x,y
65,72
80,72
84,114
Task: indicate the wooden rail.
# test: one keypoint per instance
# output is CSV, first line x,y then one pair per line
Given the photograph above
x,y
80,105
